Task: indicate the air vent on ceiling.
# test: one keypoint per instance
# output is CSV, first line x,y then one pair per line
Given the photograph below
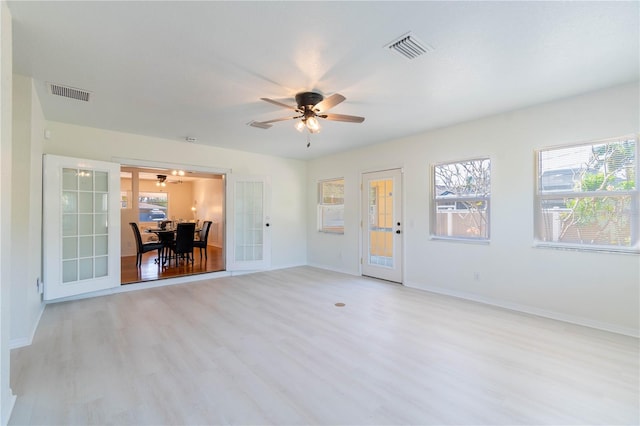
x,y
409,46
69,92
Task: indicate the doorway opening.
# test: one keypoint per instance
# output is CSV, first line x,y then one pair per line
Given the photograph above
x,y
154,196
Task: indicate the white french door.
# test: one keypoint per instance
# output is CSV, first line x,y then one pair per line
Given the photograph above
x,y
81,226
248,223
382,225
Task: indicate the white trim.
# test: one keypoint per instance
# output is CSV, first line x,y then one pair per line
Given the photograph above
x,y
123,288
187,279
586,322
586,248
27,341
136,162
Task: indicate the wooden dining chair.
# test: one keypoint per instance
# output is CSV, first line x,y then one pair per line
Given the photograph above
x,y
144,247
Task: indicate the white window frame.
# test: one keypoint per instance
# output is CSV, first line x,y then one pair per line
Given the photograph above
x,y
541,195
437,199
336,209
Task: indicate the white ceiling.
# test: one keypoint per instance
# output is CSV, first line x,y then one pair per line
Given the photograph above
x,y
177,69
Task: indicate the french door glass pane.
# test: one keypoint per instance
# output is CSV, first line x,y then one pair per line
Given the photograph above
x,y
249,216
84,224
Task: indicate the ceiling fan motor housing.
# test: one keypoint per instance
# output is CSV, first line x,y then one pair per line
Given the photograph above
x,y
308,99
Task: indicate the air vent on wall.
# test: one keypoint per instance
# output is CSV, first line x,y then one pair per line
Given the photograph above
x,y
409,46
69,92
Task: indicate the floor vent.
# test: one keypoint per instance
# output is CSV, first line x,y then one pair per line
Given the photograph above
x,y
69,92
409,46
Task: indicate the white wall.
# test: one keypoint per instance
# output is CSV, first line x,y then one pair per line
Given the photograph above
x,y
26,207
209,197
288,177
7,398
597,289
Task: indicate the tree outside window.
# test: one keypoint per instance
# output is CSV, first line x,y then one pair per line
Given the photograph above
x,y
588,195
461,198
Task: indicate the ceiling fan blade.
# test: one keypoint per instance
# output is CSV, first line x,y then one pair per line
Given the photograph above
x,y
329,102
278,119
342,117
280,104
258,124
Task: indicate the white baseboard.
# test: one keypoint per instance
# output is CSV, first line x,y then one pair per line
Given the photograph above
x,y
329,268
27,340
587,322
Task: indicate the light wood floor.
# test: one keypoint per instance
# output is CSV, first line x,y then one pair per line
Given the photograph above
x,y
150,271
272,348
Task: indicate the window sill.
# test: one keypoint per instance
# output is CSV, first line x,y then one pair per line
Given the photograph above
x,y
587,249
459,240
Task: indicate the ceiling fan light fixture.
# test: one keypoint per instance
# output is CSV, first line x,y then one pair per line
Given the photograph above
x,y
312,124
161,180
299,126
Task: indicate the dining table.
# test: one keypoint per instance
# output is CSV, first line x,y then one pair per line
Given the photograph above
x,y
166,236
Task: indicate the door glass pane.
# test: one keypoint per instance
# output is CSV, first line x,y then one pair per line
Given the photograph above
x,y
69,225
69,271
70,248
101,245
381,222
85,202
86,269
85,180
86,247
101,181
249,221
69,202
100,224
85,224
101,266
85,206
70,179
100,202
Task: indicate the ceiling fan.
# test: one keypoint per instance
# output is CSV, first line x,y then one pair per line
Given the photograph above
x,y
311,106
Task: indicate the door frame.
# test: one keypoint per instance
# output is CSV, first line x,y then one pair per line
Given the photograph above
x,y
402,218
225,172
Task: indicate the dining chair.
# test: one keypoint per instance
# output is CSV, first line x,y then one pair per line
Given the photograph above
x,y
144,247
201,242
182,247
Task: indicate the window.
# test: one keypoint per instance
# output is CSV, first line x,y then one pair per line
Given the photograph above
x,y
587,196
461,194
153,206
331,206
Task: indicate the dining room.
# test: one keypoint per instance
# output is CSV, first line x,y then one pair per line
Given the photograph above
x,y
154,203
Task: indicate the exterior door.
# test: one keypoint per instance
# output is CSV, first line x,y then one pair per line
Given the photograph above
x,y
81,226
248,223
382,225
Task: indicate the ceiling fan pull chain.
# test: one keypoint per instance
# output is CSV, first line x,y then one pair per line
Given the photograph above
x,y
308,140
